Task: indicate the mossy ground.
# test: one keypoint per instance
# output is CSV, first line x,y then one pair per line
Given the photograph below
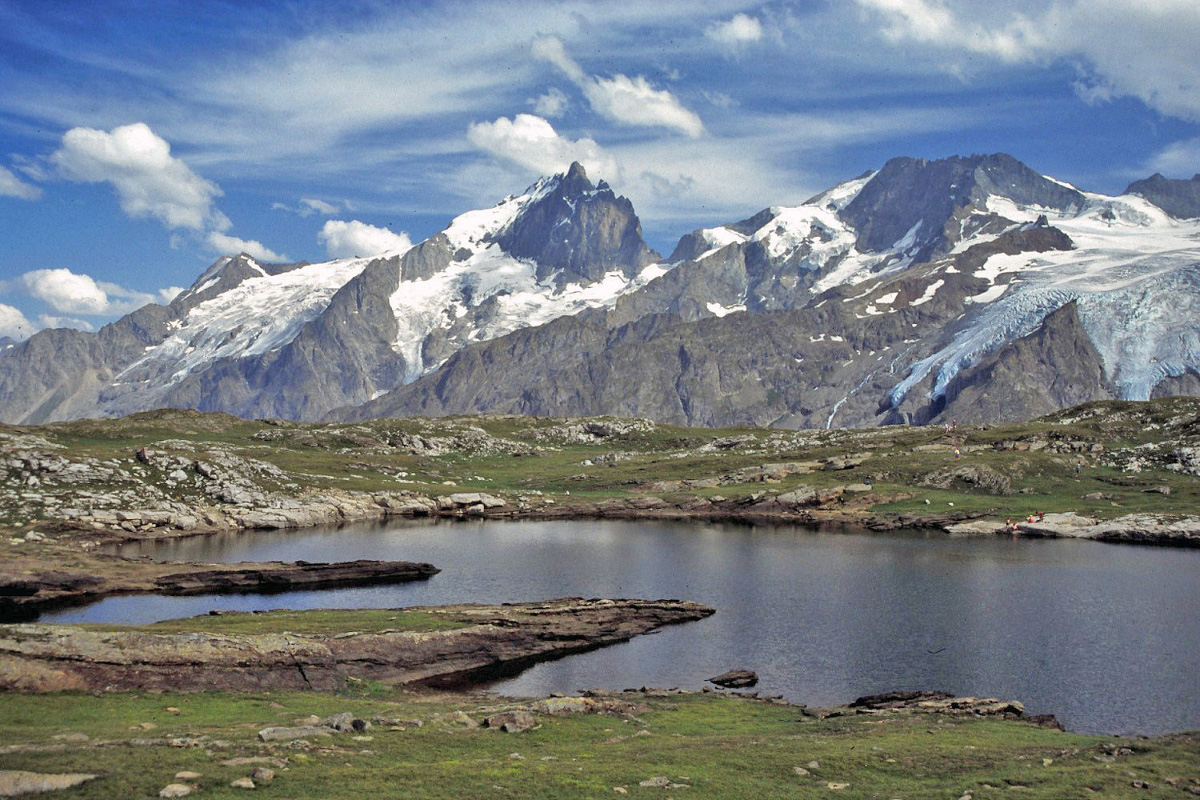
x,y
315,622
719,747
1095,478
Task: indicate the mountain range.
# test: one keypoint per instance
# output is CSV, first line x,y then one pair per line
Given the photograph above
x,y
969,288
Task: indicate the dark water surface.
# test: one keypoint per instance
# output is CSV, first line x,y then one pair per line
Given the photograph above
x,y
1107,637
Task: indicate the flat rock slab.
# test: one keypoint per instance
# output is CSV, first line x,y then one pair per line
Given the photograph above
x,y
493,640
16,782
735,679
22,597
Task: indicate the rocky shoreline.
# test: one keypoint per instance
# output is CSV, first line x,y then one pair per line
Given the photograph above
x,y
66,565
492,639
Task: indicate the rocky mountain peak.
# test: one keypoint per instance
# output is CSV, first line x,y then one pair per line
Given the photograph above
x,y
226,273
1179,198
915,199
578,228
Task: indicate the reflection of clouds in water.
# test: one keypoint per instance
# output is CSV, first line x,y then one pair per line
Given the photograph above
x,y
1100,635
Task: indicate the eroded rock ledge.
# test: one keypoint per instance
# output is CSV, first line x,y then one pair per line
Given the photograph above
x,y
494,640
23,595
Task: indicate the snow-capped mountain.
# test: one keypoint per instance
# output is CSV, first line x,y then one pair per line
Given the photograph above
x,y
971,287
906,294
298,340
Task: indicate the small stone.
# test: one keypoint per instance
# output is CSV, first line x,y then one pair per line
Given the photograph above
x,y
242,783
262,775
837,787
172,710
70,737
516,757
188,775
801,771
1047,762
175,790
661,782
517,721
813,765
620,790
1140,784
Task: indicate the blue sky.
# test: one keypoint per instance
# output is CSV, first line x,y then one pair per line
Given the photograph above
x,y
139,141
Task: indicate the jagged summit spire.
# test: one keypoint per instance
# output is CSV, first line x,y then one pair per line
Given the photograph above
x,y
578,228
576,171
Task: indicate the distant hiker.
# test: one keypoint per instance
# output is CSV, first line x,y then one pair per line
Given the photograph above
x,y
957,454
1078,467
1041,516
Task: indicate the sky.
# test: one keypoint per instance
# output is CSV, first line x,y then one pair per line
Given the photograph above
x,y
140,141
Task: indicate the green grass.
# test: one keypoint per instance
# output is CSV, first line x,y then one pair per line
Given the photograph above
x,y
317,622
362,457
720,748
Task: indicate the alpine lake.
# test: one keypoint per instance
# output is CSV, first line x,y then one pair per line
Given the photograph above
x,y
1106,637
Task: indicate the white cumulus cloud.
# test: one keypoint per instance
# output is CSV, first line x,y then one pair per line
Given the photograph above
x,y
1144,50
231,245
350,239
742,29
532,142
67,292
13,323
148,180
622,99
12,186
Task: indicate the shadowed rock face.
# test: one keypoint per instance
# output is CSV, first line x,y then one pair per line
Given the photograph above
x,y
1054,367
1179,198
911,192
42,658
581,229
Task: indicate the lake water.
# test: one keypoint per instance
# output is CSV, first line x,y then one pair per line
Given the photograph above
x,y
1107,637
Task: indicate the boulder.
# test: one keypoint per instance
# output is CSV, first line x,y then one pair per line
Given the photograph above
x,y
282,734
735,679
517,721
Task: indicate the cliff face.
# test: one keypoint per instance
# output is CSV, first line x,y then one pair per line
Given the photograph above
x,y
1179,198
582,230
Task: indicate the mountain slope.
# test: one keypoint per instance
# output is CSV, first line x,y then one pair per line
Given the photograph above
x,y
803,317
299,340
969,287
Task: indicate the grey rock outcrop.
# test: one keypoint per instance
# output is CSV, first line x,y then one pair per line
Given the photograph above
x,y
926,198
582,229
1179,198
